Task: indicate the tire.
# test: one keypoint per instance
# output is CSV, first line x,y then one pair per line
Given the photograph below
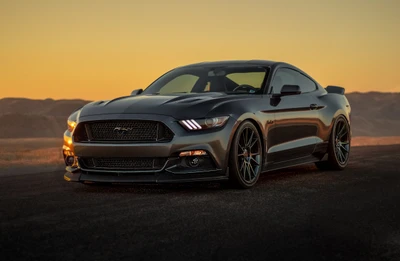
x,y
339,146
246,156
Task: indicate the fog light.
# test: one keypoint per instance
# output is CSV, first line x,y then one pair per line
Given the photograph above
x,y
70,160
192,153
194,162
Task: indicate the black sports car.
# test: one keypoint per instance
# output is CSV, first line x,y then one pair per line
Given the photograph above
x,y
228,120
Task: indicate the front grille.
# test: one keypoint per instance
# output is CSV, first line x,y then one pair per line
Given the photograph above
x,y
122,163
123,130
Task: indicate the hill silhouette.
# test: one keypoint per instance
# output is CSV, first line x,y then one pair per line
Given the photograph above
x,y
373,114
27,118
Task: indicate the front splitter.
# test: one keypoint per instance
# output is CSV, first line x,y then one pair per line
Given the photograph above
x,y
162,177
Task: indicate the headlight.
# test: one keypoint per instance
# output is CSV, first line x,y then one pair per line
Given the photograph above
x,y
72,119
201,124
71,125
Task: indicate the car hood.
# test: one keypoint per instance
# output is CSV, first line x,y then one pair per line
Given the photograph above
x,y
179,106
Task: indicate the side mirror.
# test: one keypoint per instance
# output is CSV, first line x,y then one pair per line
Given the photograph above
x,y
288,90
136,92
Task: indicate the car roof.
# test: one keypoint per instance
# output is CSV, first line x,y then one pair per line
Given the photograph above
x,y
233,63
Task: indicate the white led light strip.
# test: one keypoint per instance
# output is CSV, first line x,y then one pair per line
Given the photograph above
x,y
187,125
196,124
192,125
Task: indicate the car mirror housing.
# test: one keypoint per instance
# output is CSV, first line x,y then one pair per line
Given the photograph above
x,y
288,90
136,92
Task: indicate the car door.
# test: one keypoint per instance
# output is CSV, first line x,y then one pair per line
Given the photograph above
x,y
293,135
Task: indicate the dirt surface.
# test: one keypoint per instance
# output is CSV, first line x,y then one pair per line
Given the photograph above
x,y
295,214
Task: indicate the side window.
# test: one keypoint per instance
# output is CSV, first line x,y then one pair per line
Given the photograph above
x,y
182,83
282,77
305,83
291,77
254,79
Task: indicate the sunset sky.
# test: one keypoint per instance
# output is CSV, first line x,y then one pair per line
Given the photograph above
x,y
104,49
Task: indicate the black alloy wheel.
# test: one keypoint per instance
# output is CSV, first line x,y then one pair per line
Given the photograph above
x,y
246,156
339,146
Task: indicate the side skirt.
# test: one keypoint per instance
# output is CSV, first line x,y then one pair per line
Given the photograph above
x,y
291,163
320,152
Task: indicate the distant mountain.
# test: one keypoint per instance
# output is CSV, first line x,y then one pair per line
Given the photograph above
x,y
26,118
373,114
47,107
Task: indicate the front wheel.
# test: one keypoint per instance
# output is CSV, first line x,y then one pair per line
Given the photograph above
x,y
339,146
245,161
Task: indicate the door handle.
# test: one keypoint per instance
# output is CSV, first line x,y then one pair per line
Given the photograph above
x,y
313,106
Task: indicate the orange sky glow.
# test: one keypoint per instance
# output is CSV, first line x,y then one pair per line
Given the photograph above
x,y
104,49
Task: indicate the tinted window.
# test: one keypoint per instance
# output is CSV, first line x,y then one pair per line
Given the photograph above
x,y
291,77
305,83
229,79
282,77
182,83
254,79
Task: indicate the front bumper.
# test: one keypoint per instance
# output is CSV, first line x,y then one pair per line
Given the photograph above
x,y
161,177
214,142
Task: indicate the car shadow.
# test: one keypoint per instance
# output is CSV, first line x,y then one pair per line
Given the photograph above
x,y
265,179
283,174
133,188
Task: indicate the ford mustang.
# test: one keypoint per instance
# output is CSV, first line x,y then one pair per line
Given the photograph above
x,y
211,121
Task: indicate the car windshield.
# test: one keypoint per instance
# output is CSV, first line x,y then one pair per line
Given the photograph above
x,y
228,79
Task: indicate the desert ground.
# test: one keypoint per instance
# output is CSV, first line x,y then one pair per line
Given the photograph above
x,y
30,155
299,213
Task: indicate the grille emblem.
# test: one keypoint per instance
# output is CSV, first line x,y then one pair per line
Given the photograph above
x,y
122,130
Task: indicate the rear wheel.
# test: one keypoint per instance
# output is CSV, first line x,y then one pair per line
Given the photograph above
x,y
339,146
246,155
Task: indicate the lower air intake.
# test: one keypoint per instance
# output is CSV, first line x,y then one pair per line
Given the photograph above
x,y
122,163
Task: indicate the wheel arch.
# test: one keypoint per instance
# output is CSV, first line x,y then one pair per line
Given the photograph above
x,y
259,128
334,105
337,114
261,133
